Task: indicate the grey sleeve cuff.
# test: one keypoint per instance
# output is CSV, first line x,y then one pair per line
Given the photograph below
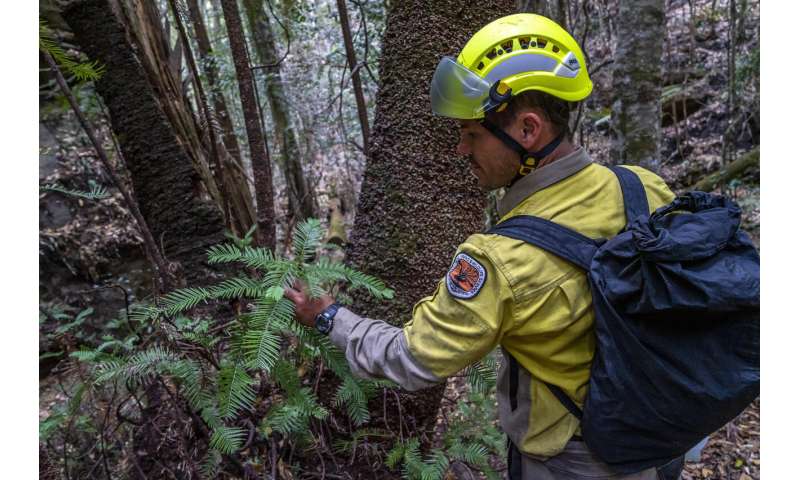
x,y
375,349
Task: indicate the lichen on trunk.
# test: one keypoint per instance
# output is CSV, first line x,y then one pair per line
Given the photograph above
x,y
418,201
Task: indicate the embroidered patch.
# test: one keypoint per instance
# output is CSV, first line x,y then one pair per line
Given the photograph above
x,y
466,277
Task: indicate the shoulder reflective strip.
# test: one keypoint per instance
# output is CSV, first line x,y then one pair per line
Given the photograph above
x,y
524,62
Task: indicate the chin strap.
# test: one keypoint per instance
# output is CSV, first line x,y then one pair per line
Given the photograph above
x,y
528,161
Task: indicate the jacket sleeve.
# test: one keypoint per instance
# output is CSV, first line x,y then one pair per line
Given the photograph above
x,y
456,326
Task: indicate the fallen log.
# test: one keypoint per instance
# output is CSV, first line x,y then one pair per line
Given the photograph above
x,y
729,172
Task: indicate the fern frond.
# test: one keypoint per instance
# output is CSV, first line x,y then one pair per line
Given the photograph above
x,y
225,253
473,453
138,367
210,467
286,419
235,391
227,440
331,271
482,376
82,70
240,287
97,192
280,274
435,467
286,376
184,299
351,395
395,455
260,344
144,313
306,239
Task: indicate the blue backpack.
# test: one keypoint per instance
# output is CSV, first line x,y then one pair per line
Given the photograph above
x,y
676,302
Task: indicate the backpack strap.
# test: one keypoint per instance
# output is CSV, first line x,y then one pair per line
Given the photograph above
x,y
564,243
633,194
568,244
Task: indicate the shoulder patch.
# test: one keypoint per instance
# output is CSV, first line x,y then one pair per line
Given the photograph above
x,y
465,277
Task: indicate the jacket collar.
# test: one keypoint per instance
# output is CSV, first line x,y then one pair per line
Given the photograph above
x,y
542,178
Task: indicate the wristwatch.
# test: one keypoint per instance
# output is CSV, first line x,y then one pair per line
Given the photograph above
x,y
324,321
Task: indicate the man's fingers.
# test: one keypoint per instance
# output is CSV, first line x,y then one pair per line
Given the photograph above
x,y
292,295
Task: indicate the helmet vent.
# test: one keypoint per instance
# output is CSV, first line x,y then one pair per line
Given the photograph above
x,y
541,43
491,54
524,41
480,66
507,46
555,49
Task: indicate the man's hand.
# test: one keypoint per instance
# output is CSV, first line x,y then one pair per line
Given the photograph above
x,y
306,309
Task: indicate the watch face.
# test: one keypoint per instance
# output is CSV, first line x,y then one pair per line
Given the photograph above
x,y
323,323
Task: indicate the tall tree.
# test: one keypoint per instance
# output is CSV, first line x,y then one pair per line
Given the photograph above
x,y
418,202
259,152
355,76
211,70
154,125
302,202
637,77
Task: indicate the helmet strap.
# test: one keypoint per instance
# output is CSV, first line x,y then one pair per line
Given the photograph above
x,y
528,161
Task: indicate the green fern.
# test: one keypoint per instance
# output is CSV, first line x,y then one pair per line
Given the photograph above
x,y
235,390
184,299
96,192
227,440
306,239
240,287
83,71
482,375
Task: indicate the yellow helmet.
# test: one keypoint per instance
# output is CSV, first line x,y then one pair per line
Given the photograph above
x,y
509,56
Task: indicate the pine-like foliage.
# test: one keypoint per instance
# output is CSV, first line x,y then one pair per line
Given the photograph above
x,y
255,342
96,192
81,70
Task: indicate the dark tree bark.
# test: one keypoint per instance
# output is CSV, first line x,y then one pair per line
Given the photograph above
x,y
236,201
636,112
259,153
418,201
539,7
159,150
209,66
302,202
154,256
344,19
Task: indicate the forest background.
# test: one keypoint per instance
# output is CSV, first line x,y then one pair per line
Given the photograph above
x,y
707,118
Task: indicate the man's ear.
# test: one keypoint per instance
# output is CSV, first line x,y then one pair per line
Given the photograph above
x,y
531,123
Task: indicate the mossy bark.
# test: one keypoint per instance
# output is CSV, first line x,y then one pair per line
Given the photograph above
x,y
418,200
155,130
636,112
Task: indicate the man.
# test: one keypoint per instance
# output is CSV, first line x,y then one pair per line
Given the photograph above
x,y
511,89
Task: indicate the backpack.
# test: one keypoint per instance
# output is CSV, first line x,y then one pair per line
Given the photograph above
x,y
676,303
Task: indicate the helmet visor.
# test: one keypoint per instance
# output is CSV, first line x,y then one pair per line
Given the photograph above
x,y
457,92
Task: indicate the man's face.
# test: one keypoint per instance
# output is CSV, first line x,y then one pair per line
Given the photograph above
x,y
491,162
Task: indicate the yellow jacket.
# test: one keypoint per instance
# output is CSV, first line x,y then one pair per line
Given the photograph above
x,y
501,291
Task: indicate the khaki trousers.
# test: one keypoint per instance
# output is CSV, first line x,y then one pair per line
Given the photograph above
x,y
576,462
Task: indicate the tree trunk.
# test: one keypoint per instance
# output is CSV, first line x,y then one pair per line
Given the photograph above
x,y
259,152
236,200
418,201
539,7
155,132
302,202
344,19
211,70
636,112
